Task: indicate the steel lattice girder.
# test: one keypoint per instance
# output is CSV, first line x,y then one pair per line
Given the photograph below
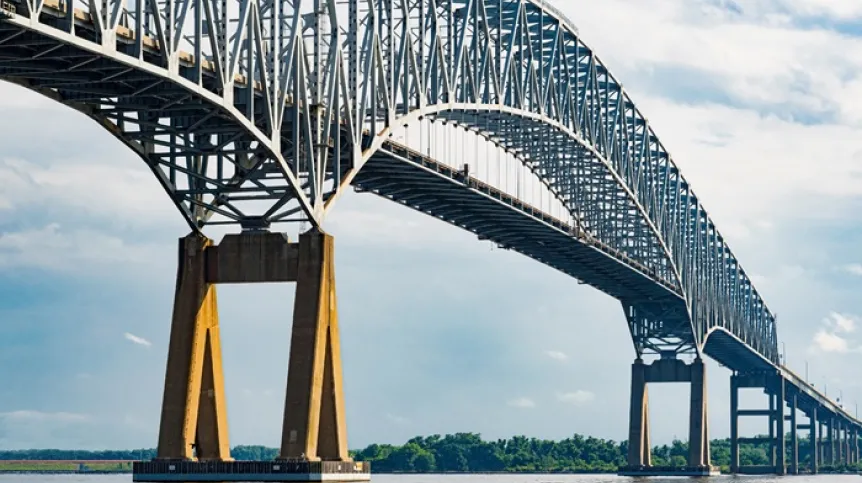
x,y
261,111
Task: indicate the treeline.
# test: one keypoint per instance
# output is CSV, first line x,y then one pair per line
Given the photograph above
x,y
468,452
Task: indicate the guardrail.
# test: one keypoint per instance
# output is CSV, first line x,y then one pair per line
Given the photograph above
x,y
807,388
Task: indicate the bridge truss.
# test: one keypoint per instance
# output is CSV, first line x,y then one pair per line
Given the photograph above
x,y
257,112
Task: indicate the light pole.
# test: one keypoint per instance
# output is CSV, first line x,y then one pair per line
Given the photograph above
x,y
784,352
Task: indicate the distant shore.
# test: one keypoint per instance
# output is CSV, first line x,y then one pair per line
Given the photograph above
x,y
460,453
65,467
102,468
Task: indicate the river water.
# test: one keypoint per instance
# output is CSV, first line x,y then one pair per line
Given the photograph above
x,y
524,478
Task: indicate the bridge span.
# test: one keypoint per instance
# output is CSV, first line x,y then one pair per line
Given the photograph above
x,y
254,113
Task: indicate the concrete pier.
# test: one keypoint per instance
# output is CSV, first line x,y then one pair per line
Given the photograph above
x,y
780,444
794,437
314,427
668,370
774,386
734,424
192,426
639,446
854,446
813,442
193,436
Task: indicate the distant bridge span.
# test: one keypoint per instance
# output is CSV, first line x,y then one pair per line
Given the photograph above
x,y
257,112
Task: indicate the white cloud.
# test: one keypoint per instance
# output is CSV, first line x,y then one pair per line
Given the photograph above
x,y
845,10
137,340
853,268
55,247
578,397
522,402
829,338
557,355
829,342
109,189
841,322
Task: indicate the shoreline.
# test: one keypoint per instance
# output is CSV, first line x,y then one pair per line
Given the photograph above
x,y
450,473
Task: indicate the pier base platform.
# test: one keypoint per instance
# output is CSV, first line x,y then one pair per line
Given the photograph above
x,y
668,471
757,470
250,471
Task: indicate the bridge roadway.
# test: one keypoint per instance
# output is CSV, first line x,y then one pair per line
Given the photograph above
x,y
71,56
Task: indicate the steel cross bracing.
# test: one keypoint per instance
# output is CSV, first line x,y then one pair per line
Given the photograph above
x,y
257,112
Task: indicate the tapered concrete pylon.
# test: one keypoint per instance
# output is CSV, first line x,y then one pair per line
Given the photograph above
x,y
647,451
194,412
314,425
698,438
639,451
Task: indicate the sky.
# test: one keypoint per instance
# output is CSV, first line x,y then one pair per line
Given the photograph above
x,y
759,104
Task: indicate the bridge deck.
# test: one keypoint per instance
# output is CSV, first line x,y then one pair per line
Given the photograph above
x,y
734,354
434,188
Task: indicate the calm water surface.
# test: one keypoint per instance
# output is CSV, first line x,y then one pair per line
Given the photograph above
x,y
479,479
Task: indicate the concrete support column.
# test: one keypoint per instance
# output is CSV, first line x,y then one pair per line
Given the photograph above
x,y
638,416
698,437
813,442
794,437
734,424
194,412
824,443
830,446
772,453
842,443
647,449
314,426
781,449
824,446
855,446
823,437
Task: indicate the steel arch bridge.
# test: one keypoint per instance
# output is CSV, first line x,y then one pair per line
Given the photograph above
x,y
256,112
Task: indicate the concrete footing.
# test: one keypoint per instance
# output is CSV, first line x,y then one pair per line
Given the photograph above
x,y
193,431
668,471
250,471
